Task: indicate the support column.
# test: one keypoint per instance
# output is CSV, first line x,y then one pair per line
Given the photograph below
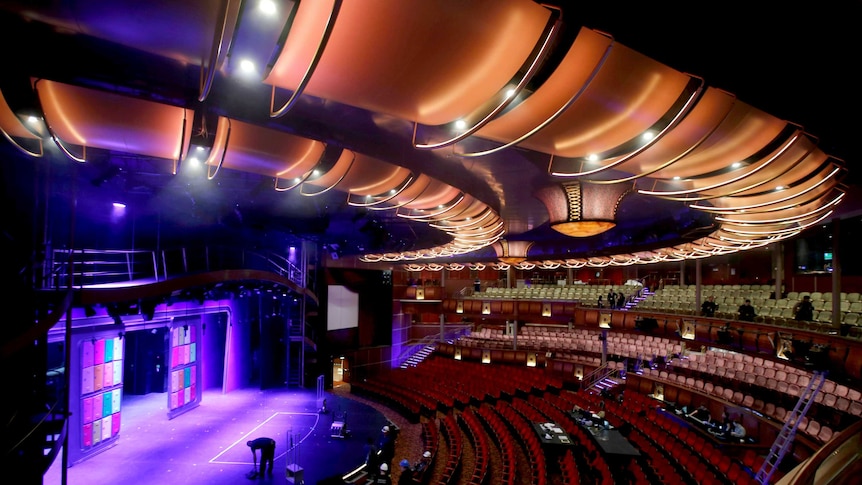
x,y
442,327
604,346
682,273
778,268
697,281
836,275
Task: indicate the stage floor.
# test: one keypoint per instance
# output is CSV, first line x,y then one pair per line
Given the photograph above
x,y
207,445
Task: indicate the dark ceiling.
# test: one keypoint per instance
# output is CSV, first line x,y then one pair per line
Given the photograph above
x,y
794,63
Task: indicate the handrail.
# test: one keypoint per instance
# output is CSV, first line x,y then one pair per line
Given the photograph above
x,y
807,473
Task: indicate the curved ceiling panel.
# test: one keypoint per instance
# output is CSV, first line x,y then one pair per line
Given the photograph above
x,y
98,119
460,54
695,128
183,31
742,133
251,148
628,95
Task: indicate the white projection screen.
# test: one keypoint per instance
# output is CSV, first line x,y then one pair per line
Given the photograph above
x,y
342,310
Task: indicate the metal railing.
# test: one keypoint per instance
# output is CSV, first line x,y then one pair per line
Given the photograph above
x,y
81,268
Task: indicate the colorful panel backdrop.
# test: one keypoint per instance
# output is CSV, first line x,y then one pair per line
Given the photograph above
x,y
101,390
184,366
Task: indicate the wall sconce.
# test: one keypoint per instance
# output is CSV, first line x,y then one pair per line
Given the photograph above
x,y
784,347
687,330
546,309
486,356
531,360
579,372
457,353
658,392
121,334
460,307
486,308
604,320
420,293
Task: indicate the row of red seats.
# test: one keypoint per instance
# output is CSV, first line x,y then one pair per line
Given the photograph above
x,y
397,398
521,427
504,440
569,468
430,437
479,440
452,433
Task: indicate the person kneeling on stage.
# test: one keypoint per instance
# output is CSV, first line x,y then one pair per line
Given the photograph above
x,y
267,453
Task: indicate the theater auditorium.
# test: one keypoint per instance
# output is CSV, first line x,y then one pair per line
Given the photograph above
x,y
457,242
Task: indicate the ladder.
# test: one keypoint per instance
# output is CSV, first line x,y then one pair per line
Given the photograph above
x,y
788,432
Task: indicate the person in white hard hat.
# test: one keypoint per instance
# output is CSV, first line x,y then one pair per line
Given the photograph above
x,y
386,445
383,477
423,463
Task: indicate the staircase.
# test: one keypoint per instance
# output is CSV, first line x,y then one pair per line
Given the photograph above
x,y
788,432
607,384
418,356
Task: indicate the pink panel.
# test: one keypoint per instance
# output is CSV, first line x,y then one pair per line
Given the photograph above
x,y
87,435
175,380
87,353
115,424
181,398
186,353
88,410
108,375
173,400
175,337
174,357
87,380
98,376
193,375
192,393
99,352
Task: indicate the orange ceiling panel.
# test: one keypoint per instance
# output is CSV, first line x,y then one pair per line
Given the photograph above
x,y
99,119
430,62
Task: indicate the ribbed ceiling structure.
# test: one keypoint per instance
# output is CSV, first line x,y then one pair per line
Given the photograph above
x,y
463,117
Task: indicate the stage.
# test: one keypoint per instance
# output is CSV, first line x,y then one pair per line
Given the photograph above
x,y
207,445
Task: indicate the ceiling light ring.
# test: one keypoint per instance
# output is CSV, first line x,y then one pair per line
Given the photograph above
x,y
303,192
697,144
208,69
430,215
20,147
788,198
405,201
57,141
381,198
691,96
548,36
834,202
553,117
760,166
210,173
312,65
751,186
